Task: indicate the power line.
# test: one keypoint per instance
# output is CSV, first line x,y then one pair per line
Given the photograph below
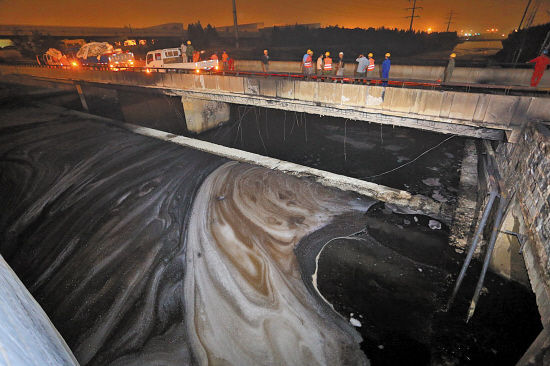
x,y
413,11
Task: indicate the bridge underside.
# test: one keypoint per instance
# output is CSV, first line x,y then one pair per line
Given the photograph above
x,y
486,116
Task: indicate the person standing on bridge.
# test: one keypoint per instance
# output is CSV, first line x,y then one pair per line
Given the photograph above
x,y
320,64
450,68
363,62
327,65
189,51
196,56
370,68
225,57
386,65
340,65
541,63
183,52
265,61
307,64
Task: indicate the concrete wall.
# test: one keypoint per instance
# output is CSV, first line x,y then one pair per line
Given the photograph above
x,y
525,167
27,336
468,75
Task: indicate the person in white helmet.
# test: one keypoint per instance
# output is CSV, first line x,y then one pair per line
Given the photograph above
x,y
340,65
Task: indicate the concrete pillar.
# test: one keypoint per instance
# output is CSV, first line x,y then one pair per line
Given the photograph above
x,y
27,336
203,115
82,98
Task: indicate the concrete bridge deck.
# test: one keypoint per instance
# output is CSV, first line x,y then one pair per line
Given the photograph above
x,y
488,116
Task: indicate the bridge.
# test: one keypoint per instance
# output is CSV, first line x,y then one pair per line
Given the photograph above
x,y
205,99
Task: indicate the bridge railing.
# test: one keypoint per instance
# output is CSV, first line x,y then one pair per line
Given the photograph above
x,y
348,79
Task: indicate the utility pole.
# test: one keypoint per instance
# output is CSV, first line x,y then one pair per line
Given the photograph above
x,y
235,26
449,22
412,16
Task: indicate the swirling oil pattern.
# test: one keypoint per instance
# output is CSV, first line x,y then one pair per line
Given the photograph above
x,y
143,252
94,223
246,302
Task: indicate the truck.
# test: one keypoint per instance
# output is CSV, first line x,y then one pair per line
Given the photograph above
x,y
95,54
54,57
171,58
120,60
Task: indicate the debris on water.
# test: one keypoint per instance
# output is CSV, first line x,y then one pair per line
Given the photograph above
x,y
355,322
401,159
449,155
419,269
415,219
439,197
406,222
484,290
434,225
432,182
221,198
459,251
380,346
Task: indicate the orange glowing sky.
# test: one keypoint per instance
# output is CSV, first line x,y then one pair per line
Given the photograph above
x,y
476,15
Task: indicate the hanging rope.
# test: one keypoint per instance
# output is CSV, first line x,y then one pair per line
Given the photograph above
x,y
412,161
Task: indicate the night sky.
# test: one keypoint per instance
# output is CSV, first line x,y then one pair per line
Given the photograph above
x,y
475,15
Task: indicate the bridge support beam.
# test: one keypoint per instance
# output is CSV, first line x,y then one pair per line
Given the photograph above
x,y
203,115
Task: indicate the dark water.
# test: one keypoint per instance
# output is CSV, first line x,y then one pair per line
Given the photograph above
x,y
353,148
144,252
395,278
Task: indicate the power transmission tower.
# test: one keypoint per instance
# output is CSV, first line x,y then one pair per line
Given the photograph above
x,y
235,26
450,21
413,11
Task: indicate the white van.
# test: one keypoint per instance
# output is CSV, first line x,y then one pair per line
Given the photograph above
x,y
170,58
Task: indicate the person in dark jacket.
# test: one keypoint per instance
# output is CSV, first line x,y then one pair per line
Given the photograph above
x,y
265,61
386,65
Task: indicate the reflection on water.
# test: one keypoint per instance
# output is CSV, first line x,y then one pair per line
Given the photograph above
x,y
477,49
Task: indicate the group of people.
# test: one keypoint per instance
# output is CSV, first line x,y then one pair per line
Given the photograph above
x,y
189,54
326,66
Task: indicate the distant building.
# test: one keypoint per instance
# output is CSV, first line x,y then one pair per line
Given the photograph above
x,y
169,30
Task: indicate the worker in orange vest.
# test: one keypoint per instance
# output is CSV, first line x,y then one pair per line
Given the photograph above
x,y
214,56
327,67
196,56
370,68
307,63
225,57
